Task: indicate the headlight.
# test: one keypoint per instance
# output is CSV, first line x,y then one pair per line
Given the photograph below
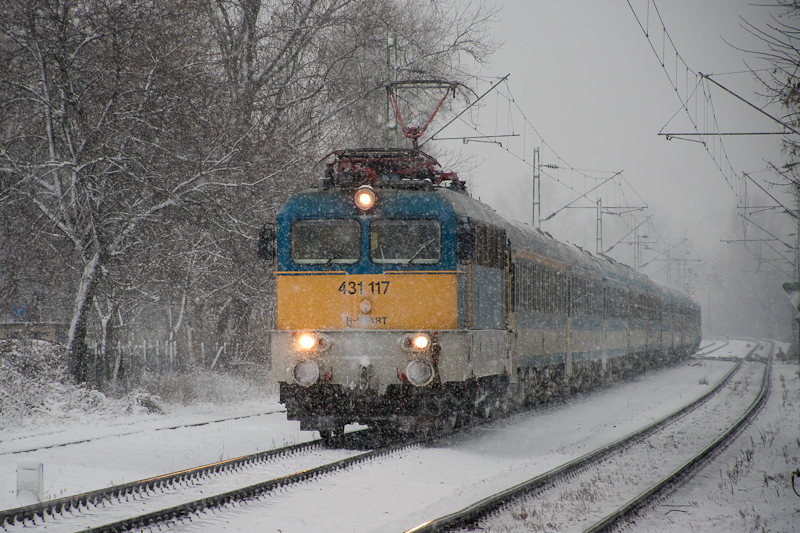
x,y
415,342
419,373
306,373
365,198
421,342
306,341
313,342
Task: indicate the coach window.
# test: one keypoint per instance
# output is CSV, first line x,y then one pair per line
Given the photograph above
x,y
324,242
405,241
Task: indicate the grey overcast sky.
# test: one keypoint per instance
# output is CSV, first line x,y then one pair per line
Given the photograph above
x,y
587,79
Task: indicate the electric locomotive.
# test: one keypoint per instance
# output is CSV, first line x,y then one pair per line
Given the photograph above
x,y
405,304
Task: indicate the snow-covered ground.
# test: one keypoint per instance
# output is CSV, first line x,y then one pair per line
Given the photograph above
x,y
749,486
399,492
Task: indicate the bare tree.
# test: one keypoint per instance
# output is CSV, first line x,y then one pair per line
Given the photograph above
x,y
155,138
781,39
304,77
101,106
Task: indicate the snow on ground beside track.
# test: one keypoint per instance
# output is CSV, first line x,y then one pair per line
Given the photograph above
x,y
424,484
749,486
88,440
138,448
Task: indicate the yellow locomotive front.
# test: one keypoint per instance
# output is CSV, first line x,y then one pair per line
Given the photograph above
x,y
367,295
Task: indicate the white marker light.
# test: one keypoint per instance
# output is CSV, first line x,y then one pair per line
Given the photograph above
x,y
419,373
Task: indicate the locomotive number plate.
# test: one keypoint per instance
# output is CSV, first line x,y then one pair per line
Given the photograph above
x,y
362,287
395,300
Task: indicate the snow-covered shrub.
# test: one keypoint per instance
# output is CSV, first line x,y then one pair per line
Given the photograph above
x,y
35,386
30,371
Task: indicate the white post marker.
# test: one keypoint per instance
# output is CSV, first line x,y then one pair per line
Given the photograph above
x,y
30,479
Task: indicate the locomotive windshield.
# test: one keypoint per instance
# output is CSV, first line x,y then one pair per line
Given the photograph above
x,y
405,241
326,241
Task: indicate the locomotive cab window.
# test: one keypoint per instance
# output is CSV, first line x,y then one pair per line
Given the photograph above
x,y
326,241
405,241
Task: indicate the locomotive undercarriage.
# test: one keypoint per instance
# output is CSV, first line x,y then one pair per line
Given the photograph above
x,y
402,408
406,409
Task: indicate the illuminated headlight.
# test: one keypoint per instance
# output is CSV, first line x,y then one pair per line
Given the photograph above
x,y
316,342
415,342
419,373
365,198
306,373
306,341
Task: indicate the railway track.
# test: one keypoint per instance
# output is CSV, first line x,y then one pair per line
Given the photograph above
x,y
685,471
80,510
573,482
711,348
148,503
180,496
152,501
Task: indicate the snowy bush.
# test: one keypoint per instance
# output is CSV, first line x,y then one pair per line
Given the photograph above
x,y
29,372
35,386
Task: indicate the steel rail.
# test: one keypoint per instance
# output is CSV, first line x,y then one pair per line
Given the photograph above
x,y
179,512
684,473
95,497
478,510
187,509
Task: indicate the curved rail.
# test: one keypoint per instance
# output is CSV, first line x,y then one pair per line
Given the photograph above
x,y
476,511
683,473
95,497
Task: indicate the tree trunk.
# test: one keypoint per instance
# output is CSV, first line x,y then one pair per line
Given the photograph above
x,y
76,343
102,373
